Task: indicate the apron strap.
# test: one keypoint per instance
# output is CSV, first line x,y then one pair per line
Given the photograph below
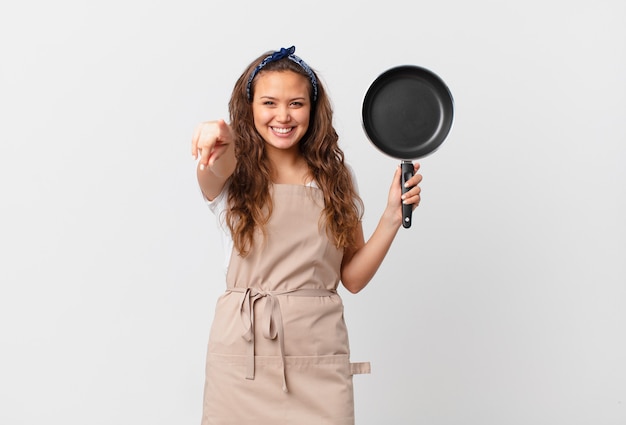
x,y
360,368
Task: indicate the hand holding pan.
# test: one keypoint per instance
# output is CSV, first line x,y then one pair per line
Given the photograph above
x,y
407,114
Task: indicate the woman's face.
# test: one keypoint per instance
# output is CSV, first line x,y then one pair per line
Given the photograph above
x,y
281,108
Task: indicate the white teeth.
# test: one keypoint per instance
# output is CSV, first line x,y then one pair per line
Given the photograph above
x,y
281,130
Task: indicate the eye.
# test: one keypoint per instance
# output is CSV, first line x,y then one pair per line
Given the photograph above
x,y
297,104
268,102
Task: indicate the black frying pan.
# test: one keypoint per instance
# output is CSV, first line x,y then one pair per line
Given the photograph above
x,y
407,114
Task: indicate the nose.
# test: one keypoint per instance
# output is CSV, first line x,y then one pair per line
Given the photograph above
x,y
282,114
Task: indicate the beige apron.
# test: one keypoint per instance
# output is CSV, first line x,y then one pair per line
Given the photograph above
x,y
278,350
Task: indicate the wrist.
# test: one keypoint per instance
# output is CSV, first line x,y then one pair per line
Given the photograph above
x,y
391,218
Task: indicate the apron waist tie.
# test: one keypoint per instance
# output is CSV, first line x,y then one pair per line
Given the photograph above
x,y
272,320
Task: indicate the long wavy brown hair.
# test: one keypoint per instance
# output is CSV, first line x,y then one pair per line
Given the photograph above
x,y
250,206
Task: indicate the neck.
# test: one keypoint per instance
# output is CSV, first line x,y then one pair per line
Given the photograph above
x,y
288,166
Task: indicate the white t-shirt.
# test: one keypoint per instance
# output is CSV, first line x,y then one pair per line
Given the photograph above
x,y
218,207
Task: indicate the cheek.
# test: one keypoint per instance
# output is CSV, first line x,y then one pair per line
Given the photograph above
x,y
260,115
303,118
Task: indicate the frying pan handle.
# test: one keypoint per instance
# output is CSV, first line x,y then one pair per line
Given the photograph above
x,y
407,210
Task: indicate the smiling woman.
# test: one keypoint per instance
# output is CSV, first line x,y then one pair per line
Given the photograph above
x,y
291,216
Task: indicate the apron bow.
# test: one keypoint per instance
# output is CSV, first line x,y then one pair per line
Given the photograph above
x,y
271,320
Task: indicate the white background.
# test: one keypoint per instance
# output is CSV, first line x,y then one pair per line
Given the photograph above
x,y
505,303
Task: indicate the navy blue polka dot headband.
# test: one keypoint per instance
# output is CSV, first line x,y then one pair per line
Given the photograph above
x,y
284,53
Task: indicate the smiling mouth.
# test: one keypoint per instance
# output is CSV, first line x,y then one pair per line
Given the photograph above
x,y
282,130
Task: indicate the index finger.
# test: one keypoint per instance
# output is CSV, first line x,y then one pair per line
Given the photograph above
x,y
194,141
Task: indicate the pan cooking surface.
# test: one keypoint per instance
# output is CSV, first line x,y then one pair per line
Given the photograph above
x,y
407,112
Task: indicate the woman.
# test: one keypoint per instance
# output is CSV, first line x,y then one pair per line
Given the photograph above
x,y
288,205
